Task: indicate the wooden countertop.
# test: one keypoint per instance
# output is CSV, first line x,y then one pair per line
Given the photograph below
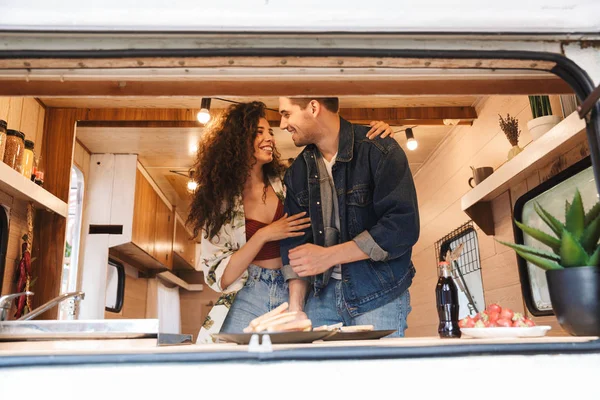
x,y
148,346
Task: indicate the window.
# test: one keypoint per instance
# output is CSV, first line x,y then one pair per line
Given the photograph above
x,y
551,195
115,286
466,269
73,236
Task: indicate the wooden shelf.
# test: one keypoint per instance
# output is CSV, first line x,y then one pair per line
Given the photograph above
x,y
21,188
174,279
477,202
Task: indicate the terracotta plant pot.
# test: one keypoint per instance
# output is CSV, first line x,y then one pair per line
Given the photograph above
x,y
575,297
538,126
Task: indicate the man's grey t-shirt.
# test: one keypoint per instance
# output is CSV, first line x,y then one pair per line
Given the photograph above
x,y
337,270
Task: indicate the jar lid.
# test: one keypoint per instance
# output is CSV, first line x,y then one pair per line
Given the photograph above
x,y
13,132
3,124
29,144
443,263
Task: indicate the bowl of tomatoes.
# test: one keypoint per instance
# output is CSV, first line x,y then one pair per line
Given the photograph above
x,y
500,322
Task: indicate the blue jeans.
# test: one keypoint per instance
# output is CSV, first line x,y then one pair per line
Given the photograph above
x,y
264,290
329,308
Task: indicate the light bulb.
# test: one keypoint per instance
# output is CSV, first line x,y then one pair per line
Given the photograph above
x,y
192,185
412,144
203,116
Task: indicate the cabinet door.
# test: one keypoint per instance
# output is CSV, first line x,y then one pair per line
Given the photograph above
x,y
183,244
190,253
163,245
144,214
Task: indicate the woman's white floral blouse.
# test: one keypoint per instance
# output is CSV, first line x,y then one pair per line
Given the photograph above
x,y
214,258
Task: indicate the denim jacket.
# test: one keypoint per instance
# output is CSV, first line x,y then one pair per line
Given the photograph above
x,y
378,210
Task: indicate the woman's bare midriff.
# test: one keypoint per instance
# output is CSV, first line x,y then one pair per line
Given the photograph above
x,y
273,263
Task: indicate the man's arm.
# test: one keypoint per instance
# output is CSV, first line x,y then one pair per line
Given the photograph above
x,y
395,203
396,231
310,259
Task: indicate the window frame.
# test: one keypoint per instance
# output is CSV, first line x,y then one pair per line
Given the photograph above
x,y
518,234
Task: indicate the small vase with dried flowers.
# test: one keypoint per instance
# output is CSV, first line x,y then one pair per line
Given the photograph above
x,y
510,127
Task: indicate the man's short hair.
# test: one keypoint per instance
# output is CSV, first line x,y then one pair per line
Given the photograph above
x,y
330,103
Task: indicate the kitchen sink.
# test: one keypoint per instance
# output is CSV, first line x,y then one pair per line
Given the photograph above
x,y
11,331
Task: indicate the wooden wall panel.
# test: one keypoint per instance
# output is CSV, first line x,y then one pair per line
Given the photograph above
x,y
194,309
40,131
15,110
4,107
29,118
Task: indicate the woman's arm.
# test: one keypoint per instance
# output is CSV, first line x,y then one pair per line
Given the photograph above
x,y
283,228
241,259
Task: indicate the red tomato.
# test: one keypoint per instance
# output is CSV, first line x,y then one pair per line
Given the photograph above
x,y
494,308
490,324
528,322
493,316
504,322
507,313
519,324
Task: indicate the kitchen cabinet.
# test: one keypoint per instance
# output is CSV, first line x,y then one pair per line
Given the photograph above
x,y
163,238
146,218
184,248
144,214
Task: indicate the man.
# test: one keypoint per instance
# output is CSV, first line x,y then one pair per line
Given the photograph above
x,y
360,196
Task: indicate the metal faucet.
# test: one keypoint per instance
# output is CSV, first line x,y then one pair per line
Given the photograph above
x,y
5,302
58,299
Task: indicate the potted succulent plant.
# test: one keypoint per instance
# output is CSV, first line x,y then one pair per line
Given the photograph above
x,y
572,265
543,120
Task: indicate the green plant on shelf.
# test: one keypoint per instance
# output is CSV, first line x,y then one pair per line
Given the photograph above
x,y
540,106
574,243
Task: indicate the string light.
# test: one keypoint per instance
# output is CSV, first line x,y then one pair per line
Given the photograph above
x,y
192,185
411,142
204,113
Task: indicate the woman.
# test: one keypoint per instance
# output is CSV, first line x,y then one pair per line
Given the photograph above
x,y
238,207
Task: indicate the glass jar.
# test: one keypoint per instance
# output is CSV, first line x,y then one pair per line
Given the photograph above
x,y
15,147
28,159
2,138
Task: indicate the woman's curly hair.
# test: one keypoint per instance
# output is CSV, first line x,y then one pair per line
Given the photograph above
x,y
224,160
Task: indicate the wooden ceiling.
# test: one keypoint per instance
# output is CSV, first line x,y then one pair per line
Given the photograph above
x,y
170,146
373,101
400,97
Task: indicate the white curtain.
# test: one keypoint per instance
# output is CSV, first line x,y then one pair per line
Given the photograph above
x,y
169,315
